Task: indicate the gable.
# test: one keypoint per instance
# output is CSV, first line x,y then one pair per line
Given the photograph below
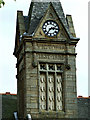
x,y
50,15
40,12
37,11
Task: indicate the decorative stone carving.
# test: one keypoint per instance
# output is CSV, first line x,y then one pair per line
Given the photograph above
x,y
51,67
59,92
42,67
50,80
42,92
42,80
42,89
68,67
50,89
58,89
49,93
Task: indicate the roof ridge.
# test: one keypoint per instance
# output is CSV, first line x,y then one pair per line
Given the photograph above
x,y
8,93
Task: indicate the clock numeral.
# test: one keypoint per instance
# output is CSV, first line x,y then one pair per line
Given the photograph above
x,y
56,31
45,32
45,23
56,27
48,22
44,27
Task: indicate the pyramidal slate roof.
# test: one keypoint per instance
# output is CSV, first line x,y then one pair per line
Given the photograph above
x,y
37,11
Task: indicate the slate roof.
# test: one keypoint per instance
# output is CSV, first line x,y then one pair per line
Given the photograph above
x,y
37,11
83,107
9,106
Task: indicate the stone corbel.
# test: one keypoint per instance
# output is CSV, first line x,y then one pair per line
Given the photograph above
x,y
68,67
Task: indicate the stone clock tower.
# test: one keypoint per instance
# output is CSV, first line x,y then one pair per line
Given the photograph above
x,y
46,62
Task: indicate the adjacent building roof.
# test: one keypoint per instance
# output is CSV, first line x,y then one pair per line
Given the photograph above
x,y
83,107
9,105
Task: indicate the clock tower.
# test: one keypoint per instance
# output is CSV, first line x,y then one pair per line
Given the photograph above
x,y
46,62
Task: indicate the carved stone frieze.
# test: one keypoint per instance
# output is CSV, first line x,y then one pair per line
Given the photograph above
x,y
50,57
45,46
51,87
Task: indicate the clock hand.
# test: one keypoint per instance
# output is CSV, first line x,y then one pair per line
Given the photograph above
x,y
52,28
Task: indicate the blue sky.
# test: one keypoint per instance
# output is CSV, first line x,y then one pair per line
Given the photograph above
x,y
79,11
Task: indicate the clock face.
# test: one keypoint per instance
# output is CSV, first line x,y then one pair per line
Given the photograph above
x,y
50,28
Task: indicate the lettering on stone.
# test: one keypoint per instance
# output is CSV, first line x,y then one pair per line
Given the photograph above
x,y
50,47
52,57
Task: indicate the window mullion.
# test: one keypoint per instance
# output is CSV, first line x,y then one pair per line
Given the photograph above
x,y
55,89
47,87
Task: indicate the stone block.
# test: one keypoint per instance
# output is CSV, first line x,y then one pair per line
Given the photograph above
x,y
33,92
32,105
33,100
33,88
34,110
70,106
70,83
32,82
70,95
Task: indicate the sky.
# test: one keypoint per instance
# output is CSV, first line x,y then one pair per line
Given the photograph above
x,y
79,11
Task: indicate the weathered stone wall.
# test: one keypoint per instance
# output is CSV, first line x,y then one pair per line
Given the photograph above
x,y
28,79
31,82
70,88
21,87
39,48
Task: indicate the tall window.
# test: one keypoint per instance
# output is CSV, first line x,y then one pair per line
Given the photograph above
x,y
50,87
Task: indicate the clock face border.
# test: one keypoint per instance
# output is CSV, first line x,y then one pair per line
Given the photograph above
x,y
50,28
